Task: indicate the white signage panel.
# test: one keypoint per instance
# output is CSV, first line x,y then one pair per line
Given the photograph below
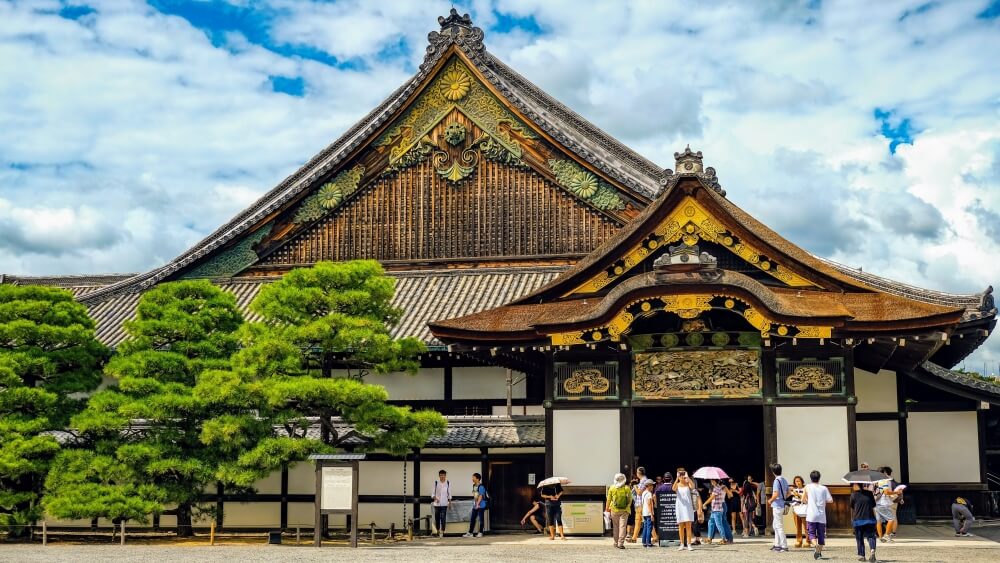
x,y
338,488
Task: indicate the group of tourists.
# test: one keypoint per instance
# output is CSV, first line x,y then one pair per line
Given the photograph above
x,y
729,506
441,499
631,508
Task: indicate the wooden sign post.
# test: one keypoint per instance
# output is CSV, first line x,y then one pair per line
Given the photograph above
x,y
336,491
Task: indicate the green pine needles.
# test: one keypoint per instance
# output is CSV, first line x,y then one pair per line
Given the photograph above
x,y
202,398
47,353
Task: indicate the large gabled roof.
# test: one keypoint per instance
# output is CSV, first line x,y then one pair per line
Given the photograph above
x,y
457,35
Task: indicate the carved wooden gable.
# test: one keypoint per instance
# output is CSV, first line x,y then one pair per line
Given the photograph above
x,y
458,175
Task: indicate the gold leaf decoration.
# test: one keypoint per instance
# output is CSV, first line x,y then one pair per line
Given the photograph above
x,y
696,374
455,84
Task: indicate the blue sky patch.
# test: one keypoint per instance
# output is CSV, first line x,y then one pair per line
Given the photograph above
x,y
899,130
286,85
75,12
216,18
509,22
992,11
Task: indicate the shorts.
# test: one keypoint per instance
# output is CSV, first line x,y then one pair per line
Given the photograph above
x,y
553,515
884,513
816,531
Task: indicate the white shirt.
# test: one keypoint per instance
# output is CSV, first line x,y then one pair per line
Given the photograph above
x,y
816,498
647,500
442,493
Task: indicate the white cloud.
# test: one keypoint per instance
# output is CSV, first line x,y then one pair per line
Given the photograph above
x,y
122,123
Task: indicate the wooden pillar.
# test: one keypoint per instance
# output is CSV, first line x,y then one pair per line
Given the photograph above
x,y
904,456
284,496
448,375
485,472
852,410
549,393
981,420
220,519
416,490
626,420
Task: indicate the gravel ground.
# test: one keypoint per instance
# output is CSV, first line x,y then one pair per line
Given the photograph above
x,y
918,543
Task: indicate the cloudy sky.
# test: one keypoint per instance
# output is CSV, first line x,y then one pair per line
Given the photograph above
x,y
866,132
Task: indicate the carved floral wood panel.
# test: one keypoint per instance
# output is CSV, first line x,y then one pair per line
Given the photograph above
x,y
696,374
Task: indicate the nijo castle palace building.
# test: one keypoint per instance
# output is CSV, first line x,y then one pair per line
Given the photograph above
x,y
616,301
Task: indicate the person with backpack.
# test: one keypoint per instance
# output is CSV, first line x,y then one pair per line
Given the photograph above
x,y
618,502
961,517
441,500
779,507
479,498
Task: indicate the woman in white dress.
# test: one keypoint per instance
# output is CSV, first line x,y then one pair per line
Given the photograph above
x,y
684,507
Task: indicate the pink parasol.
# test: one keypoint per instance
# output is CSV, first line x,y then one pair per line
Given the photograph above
x,y
710,473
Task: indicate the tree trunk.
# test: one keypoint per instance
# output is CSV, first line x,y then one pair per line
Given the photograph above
x,y
325,421
184,521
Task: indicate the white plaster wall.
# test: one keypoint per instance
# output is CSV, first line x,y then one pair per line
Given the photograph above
x,y
943,447
426,384
450,451
302,514
813,438
878,443
459,475
384,478
252,514
539,450
81,523
875,392
382,514
302,478
586,445
518,409
268,485
484,383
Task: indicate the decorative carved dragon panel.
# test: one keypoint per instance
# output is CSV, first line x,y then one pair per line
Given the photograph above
x,y
696,374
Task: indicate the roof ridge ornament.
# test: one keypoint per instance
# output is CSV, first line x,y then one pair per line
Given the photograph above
x,y
686,258
691,163
457,29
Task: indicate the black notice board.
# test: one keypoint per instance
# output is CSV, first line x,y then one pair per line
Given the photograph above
x,y
666,516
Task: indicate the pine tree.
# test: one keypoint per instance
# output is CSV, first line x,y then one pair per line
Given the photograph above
x,y
155,440
48,353
332,316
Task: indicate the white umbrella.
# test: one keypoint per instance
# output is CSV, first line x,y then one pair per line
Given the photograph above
x,y
553,481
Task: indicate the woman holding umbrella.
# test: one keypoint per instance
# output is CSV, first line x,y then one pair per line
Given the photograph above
x,y
552,491
863,509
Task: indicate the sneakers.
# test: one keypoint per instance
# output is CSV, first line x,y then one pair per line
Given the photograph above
x,y
892,538
817,555
871,558
882,538
966,535
440,534
690,548
479,535
467,535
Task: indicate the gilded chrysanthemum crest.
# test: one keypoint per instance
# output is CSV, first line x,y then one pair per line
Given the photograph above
x,y
455,84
